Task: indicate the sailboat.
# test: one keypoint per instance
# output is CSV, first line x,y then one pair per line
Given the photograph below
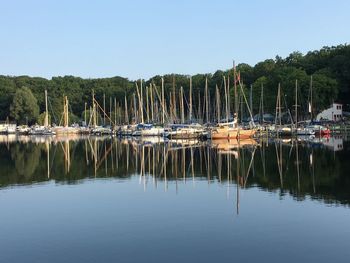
x,y
317,128
142,128
43,129
232,130
188,130
66,129
300,130
95,128
281,130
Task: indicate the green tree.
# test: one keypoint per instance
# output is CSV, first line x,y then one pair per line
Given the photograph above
x,y
24,106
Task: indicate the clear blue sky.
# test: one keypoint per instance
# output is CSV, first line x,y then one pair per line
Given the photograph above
x,y
143,38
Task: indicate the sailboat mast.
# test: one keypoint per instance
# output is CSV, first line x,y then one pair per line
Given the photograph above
x,y
152,105
115,111
85,105
147,105
135,110
296,104
251,98
104,109
262,103
46,122
190,115
310,106
126,110
182,105
199,106
141,102
228,97
65,112
206,99
226,100
163,102
235,90
174,100
110,111
218,103
93,110
279,105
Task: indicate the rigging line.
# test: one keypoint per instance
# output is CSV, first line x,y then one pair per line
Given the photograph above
x,y
53,113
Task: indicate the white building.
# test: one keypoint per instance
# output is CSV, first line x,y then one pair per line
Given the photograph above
x,y
334,113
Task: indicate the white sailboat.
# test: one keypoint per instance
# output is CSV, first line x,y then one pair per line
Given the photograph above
x,y
43,129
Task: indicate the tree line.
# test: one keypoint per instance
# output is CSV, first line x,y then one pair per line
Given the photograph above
x,y
22,97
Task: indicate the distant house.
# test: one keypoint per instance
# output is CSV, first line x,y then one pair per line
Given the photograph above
x,y
334,113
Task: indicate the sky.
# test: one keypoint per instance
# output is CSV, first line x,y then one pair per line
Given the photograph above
x,y
140,39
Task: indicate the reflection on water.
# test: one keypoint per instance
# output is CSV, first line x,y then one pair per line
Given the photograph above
x,y
314,167
103,199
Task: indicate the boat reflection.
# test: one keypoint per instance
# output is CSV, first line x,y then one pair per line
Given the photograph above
x,y
296,167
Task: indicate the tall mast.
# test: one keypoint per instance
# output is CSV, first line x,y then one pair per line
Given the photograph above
x,y
94,122
115,111
110,111
65,112
104,109
235,88
206,99
218,103
251,98
152,105
174,99
199,106
262,104
147,105
278,106
296,104
141,101
182,105
190,116
163,102
310,106
126,110
226,100
135,110
46,121
228,97
85,105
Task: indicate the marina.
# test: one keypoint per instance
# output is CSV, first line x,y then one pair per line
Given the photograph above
x,y
174,131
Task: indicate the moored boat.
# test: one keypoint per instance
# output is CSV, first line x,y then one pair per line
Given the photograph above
x,y
185,131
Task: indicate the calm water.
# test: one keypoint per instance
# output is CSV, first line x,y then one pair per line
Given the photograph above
x,y
110,200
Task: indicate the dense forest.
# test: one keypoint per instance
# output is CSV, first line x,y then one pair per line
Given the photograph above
x,y
22,97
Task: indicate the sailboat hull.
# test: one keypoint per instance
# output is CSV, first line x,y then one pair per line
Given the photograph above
x,y
231,133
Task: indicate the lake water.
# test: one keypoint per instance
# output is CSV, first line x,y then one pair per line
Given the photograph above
x,y
112,200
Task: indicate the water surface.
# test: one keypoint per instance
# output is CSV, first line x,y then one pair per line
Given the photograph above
x,y
111,200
